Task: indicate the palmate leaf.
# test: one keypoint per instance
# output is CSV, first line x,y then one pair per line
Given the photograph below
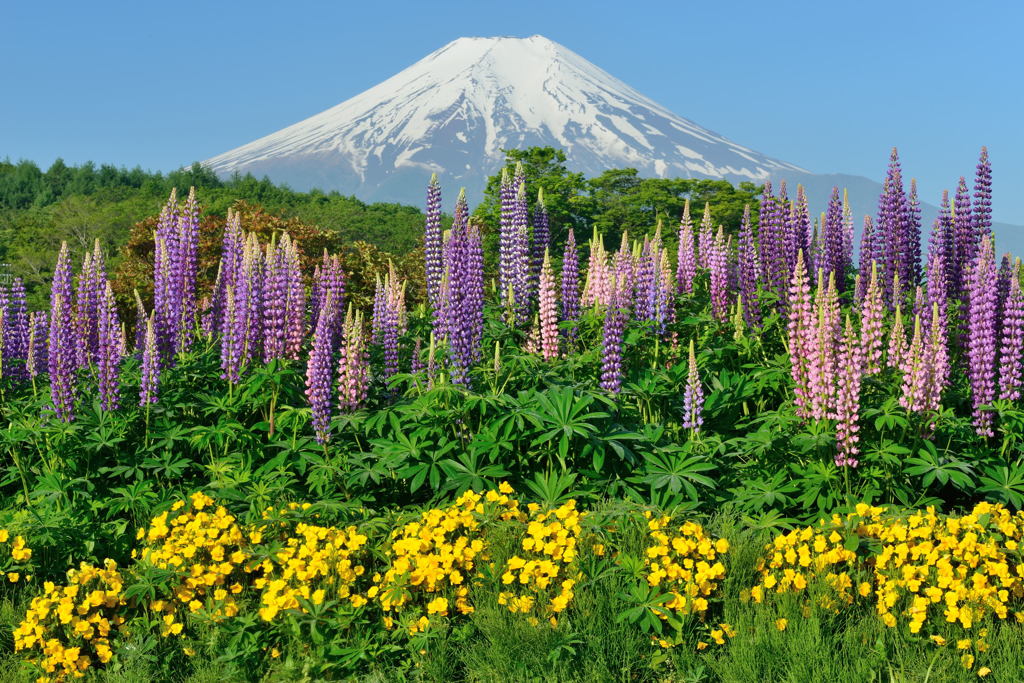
x,y
932,468
1005,483
672,469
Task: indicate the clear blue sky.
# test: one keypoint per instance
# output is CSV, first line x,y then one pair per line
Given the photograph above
x,y
830,86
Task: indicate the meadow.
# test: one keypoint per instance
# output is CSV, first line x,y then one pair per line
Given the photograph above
x,y
708,452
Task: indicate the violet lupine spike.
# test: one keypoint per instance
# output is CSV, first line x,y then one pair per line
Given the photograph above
x,y
109,356
295,301
231,340
354,364
473,292
912,244
937,283
892,230
525,279
16,333
319,375
749,271
3,332
800,329
40,355
432,242
571,285
798,226
188,256
834,238
1012,346
232,249
847,259
982,205
274,297
915,372
85,313
981,335
867,260
775,278
31,368
507,263
165,315
718,262
393,324
686,259
850,371
872,315
63,340
693,395
541,233
149,384
462,300
645,284
706,238
416,365
965,245
548,310
611,343
140,323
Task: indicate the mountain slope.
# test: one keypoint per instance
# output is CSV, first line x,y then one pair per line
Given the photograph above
x,y
455,110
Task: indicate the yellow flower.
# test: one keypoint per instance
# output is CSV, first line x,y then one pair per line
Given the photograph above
x,y
4,535
275,653
984,671
938,640
13,577
781,624
967,660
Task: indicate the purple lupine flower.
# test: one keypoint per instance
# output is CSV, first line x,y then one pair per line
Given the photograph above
x,y
233,246
571,284
507,261
109,360
329,283
718,262
938,298
275,299
850,369
353,364
525,279
63,339
165,316
614,327
149,384
965,246
84,306
915,372
140,323
1012,346
833,233
847,260
188,259
3,331
249,305
867,260
693,395
432,242
548,310
462,297
891,240
16,333
541,233
318,374
232,340
912,242
705,238
798,228
982,332
981,218
393,323
770,240
645,284
686,260
800,330
472,281
749,271
38,343
295,300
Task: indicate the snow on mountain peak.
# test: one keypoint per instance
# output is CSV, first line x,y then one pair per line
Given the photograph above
x,y
456,110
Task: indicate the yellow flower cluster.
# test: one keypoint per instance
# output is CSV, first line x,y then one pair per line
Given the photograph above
x,y
205,548
14,567
314,564
68,628
960,567
794,559
684,561
542,575
431,559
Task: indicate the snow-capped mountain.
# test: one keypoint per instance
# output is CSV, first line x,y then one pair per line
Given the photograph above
x,y
455,110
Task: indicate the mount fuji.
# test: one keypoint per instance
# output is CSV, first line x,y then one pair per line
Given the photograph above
x,y
455,110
